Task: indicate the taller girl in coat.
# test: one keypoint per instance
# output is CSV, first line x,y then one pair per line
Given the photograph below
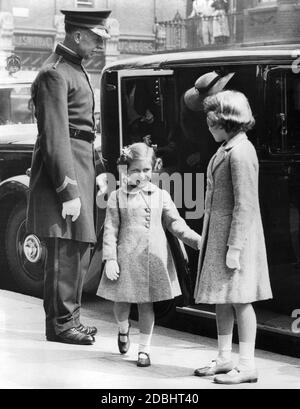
x,y
233,270
139,266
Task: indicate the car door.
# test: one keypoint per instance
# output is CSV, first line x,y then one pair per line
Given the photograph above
x,y
280,184
135,104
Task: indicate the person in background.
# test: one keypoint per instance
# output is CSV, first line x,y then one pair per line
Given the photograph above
x,y
61,204
204,10
196,140
233,268
139,266
196,16
220,21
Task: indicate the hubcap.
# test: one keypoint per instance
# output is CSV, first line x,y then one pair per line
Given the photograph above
x,y
31,254
32,248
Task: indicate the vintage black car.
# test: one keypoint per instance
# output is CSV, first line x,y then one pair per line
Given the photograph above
x,y
271,80
270,77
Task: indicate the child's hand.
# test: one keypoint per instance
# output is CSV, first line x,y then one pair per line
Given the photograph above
x,y
102,183
112,270
233,258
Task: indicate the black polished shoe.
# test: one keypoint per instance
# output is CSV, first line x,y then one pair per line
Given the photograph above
x,y
143,361
87,330
71,336
124,346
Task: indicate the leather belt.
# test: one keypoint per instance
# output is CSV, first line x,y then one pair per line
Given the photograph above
x,y
83,135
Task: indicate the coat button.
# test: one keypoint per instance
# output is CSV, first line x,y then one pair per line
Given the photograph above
x,y
147,225
147,210
148,218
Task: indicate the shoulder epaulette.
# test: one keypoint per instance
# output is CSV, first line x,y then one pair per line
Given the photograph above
x,y
55,65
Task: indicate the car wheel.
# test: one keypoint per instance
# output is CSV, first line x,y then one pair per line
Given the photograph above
x,y
27,275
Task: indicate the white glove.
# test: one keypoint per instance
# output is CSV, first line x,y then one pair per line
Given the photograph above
x,y
102,183
72,208
112,270
233,258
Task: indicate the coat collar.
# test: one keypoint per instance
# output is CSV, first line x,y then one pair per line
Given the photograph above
x,y
68,54
224,149
237,139
148,189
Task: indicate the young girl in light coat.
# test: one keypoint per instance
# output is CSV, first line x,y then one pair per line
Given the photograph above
x,y
139,266
233,269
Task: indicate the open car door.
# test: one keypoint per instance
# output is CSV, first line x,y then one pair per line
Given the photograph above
x,y
143,103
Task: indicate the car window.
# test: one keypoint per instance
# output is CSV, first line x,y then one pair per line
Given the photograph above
x,y
147,115
15,105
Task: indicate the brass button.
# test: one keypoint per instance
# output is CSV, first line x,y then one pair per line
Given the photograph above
x,y
148,218
147,225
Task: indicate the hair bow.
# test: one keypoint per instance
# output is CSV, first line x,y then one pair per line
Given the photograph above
x,y
126,151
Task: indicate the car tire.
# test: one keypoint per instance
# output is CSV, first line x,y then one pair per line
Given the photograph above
x,y
28,277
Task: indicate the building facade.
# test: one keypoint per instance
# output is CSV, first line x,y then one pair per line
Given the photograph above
x,y
271,22
141,27
32,31
231,23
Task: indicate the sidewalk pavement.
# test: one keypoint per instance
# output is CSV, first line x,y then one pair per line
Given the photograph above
x,y
28,361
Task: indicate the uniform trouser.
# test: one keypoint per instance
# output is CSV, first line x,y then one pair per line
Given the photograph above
x,y
66,265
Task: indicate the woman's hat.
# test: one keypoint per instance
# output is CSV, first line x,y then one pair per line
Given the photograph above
x,y
206,85
94,19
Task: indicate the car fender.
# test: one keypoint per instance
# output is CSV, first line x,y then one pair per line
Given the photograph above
x,y
15,185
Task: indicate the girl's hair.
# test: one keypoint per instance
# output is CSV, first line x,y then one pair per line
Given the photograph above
x,y
137,151
229,110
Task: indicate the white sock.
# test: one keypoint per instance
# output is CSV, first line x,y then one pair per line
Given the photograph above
x,y
224,348
246,357
123,329
144,343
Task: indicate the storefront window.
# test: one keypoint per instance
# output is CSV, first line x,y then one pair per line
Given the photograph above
x,y
16,106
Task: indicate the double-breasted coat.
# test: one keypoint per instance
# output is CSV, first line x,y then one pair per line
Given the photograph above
x,y
134,236
232,218
62,168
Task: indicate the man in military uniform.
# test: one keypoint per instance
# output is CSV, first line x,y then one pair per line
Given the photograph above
x,y
63,173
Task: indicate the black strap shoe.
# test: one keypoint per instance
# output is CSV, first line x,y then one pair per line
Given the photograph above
x,y
143,360
124,346
87,330
72,336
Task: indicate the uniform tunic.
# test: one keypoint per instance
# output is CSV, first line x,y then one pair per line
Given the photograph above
x,y
232,218
62,168
135,237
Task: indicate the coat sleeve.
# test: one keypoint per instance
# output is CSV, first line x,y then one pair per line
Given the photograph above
x,y
111,228
177,225
244,174
53,126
